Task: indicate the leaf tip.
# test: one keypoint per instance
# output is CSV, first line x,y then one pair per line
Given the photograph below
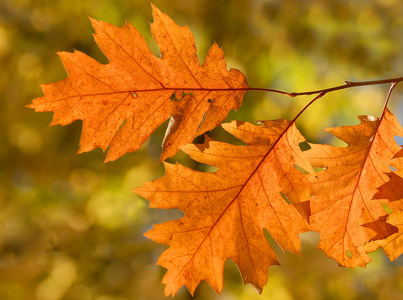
x,y
146,234
163,157
30,105
94,23
257,288
155,10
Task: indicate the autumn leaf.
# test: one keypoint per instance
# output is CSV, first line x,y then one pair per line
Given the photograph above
x,y
343,211
393,245
257,186
121,103
393,189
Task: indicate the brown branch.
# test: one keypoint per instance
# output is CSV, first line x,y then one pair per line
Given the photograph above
x,y
346,85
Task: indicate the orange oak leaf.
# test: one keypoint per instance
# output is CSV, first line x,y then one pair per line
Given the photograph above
x,y
393,245
343,211
121,103
393,189
226,211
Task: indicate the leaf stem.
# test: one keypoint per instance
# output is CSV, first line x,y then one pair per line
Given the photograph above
x,y
309,104
388,96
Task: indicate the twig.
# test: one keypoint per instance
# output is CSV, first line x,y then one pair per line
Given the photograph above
x,y
346,85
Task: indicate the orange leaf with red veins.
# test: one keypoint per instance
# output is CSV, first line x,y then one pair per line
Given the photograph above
x,y
226,211
343,202
393,191
121,103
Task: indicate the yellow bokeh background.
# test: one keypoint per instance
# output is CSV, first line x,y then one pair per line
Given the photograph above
x,y
70,226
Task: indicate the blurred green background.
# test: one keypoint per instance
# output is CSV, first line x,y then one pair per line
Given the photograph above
x,y
70,226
